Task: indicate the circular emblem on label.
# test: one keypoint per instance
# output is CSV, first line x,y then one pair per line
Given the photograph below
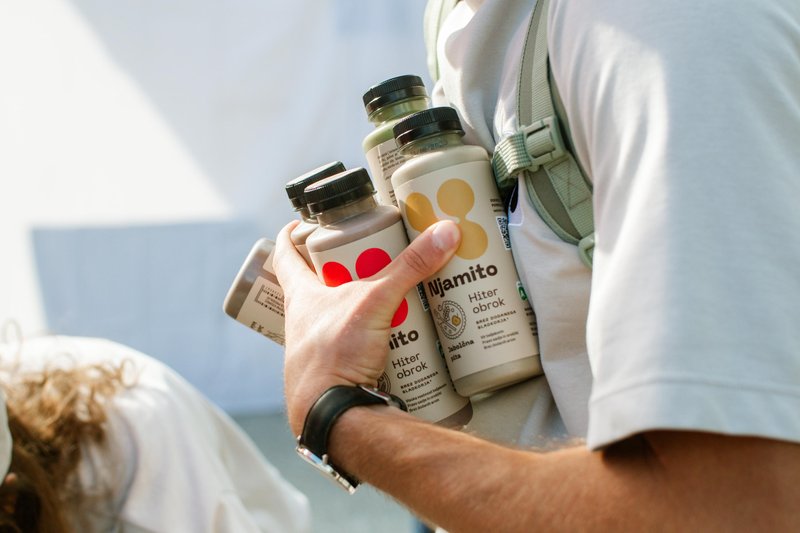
x,y
451,319
384,385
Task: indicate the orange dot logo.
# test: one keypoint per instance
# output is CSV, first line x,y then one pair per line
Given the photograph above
x,y
455,198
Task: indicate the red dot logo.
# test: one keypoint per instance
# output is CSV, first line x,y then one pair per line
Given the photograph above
x,y
371,261
335,274
368,263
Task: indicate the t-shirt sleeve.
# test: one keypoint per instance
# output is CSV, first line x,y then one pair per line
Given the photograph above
x,y
687,118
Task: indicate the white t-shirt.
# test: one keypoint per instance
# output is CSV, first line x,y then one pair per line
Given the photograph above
x,y
687,119
174,461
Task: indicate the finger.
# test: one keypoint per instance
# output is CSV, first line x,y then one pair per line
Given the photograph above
x,y
425,256
290,267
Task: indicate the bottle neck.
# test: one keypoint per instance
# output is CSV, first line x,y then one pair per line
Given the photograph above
x,y
305,216
399,109
343,212
432,143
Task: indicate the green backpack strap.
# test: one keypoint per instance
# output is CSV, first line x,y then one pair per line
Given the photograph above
x,y
554,181
435,13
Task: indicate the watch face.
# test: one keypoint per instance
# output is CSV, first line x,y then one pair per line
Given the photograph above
x,y
322,465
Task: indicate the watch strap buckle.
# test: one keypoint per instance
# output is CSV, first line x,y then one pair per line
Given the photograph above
x,y
321,463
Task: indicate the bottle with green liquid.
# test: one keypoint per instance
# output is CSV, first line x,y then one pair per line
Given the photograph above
x,y
386,103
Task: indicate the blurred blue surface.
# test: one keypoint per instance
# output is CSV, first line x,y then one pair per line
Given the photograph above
x,y
159,289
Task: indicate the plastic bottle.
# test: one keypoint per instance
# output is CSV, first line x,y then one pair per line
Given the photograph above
x,y
386,103
356,239
255,298
485,322
295,189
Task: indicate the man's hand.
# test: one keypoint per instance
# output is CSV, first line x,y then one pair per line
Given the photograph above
x,y
340,335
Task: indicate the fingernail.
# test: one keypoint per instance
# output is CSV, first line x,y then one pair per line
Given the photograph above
x,y
445,235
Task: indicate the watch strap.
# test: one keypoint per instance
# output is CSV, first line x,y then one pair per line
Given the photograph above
x,y
312,444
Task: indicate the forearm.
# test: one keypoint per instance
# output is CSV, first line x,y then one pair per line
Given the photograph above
x,y
669,481
463,483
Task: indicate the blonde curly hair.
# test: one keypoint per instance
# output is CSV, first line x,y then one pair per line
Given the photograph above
x,y
52,413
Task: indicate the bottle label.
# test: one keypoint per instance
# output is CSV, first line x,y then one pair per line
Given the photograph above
x,y
262,309
415,369
482,314
383,160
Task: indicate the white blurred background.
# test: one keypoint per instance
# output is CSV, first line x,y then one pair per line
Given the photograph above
x,y
143,149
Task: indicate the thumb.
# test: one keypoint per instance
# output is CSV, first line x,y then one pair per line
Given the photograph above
x,y
425,256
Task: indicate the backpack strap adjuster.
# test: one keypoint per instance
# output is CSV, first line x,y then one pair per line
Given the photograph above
x,y
543,143
528,149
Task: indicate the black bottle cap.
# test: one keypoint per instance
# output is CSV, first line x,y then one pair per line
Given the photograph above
x,y
428,122
295,188
393,90
341,189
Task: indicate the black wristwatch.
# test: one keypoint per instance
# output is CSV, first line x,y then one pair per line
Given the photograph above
x,y
312,445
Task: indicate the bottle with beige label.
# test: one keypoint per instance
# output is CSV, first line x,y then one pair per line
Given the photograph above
x,y
386,103
295,189
485,322
356,239
255,298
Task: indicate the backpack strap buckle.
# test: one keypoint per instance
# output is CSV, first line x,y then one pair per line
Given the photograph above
x,y
527,149
543,142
